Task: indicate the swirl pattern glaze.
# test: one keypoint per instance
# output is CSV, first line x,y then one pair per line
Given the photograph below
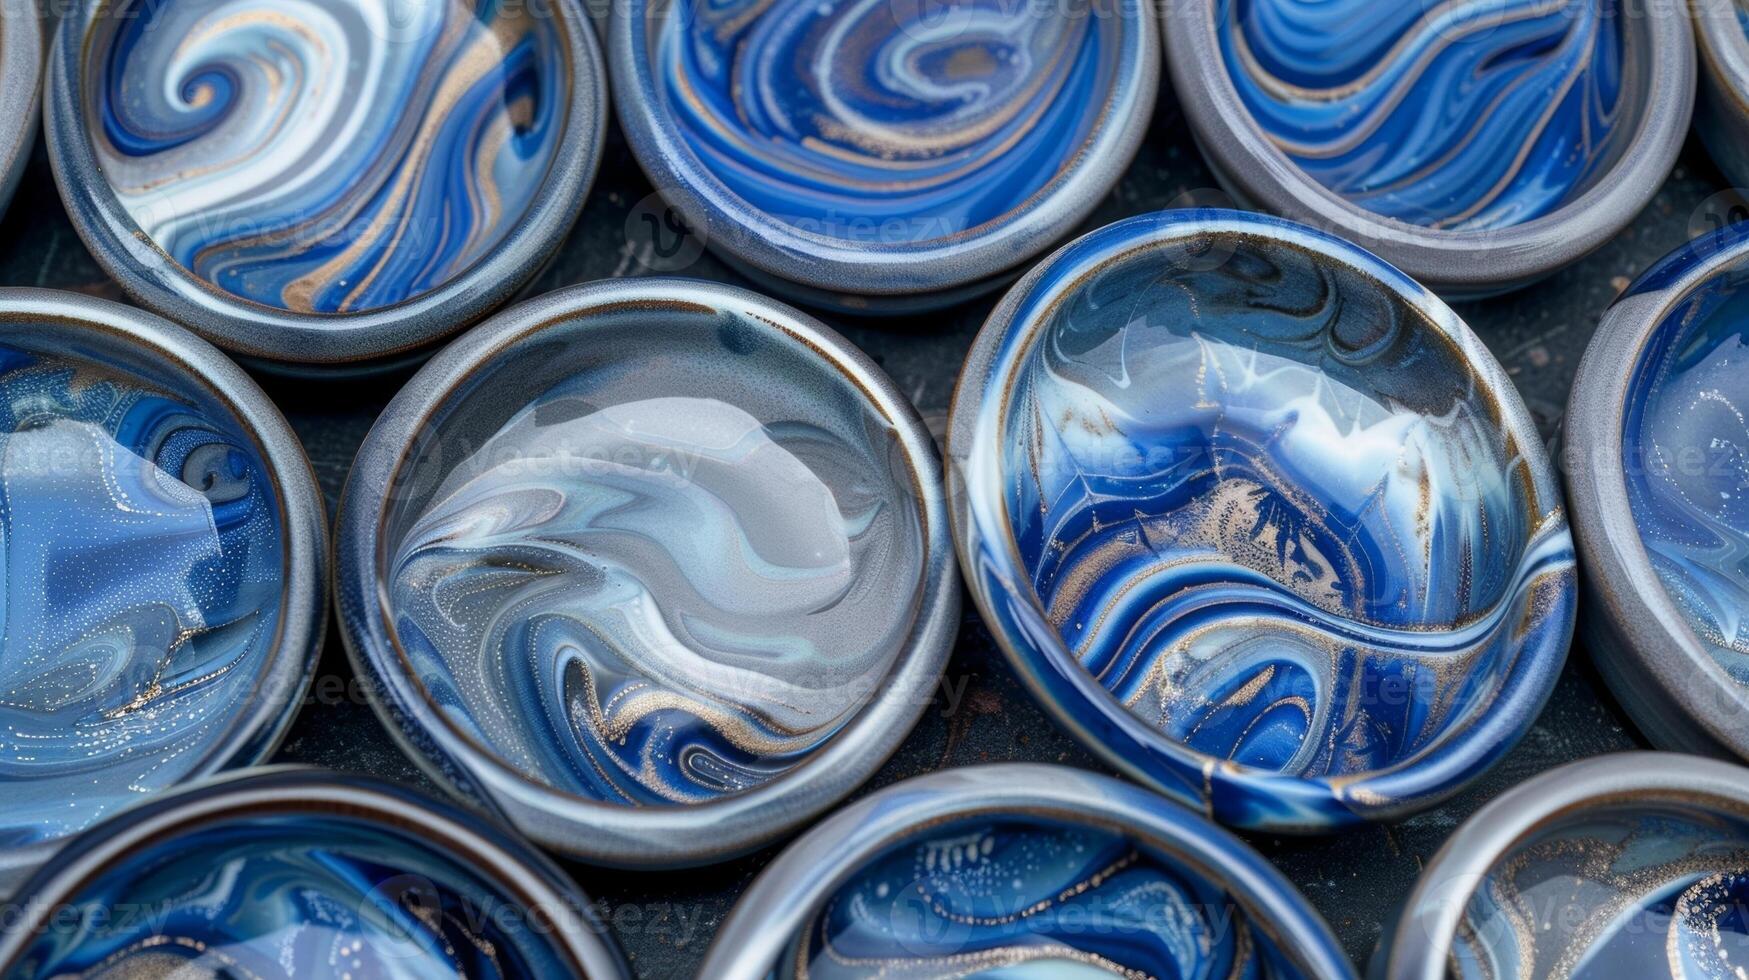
x,y
673,573
1028,899
1465,115
1685,443
326,156
141,588
894,123
1626,892
292,895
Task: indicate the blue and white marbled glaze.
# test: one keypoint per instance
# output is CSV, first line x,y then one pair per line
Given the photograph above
x,y
1466,115
326,156
674,574
292,895
892,122
1019,899
141,586
1263,495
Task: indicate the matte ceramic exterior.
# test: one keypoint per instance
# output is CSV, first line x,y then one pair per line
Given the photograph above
x,y
949,851
1645,628
297,873
1721,110
737,587
239,191
21,68
1507,249
918,156
1259,520
1621,867
165,547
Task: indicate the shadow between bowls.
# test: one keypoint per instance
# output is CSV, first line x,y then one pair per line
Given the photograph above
x,y
21,67
1018,818
675,398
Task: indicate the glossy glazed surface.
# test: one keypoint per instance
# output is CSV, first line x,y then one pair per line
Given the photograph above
x,y
292,895
1017,898
668,572
1471,115
143,571
326,157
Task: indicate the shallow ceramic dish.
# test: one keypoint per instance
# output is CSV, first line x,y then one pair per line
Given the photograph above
x,y
297,873
1657,467
163,588
1721,112
659,568
1477,145
883,156
1021,870
21,64
1623,867
327,186
1260,520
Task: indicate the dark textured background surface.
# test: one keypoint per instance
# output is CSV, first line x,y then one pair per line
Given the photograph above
x,y
665,921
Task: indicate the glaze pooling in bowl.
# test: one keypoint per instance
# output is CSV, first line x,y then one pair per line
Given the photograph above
x,y
330,157
1475,115
143,586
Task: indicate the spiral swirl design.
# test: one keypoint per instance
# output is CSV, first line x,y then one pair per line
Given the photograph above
x,y
292,896
326,157
884,121
1462,115
1022,900
141,590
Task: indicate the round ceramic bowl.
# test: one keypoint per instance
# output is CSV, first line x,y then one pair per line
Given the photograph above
x,y
328,187
658,568
1623,867
1260,520
294,873
883,156
163,586
1477,145
1657,468
21,63
1721,112
1021,870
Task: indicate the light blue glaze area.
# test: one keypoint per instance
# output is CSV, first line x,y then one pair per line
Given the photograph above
x,y
1018,899
295,896
1632,891
891,122
140,589
336,156
1685,453
1469,115
673,557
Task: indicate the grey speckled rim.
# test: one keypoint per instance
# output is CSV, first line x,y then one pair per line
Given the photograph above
x,y
257,727
21,70
1456,264
1420,945
908,272
1659,669
1722,108
788,892
566,918
320,340
592,830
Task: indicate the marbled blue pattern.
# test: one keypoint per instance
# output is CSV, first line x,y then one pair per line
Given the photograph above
x,y
326,156
140,588
1464,115
885,121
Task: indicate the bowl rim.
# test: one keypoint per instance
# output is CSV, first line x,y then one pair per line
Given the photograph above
x,y
797,881
592,830
1465,264
277,336
1723,46
257,729
732,226
499,856
1240,795
21,71
1656,644
1419,944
